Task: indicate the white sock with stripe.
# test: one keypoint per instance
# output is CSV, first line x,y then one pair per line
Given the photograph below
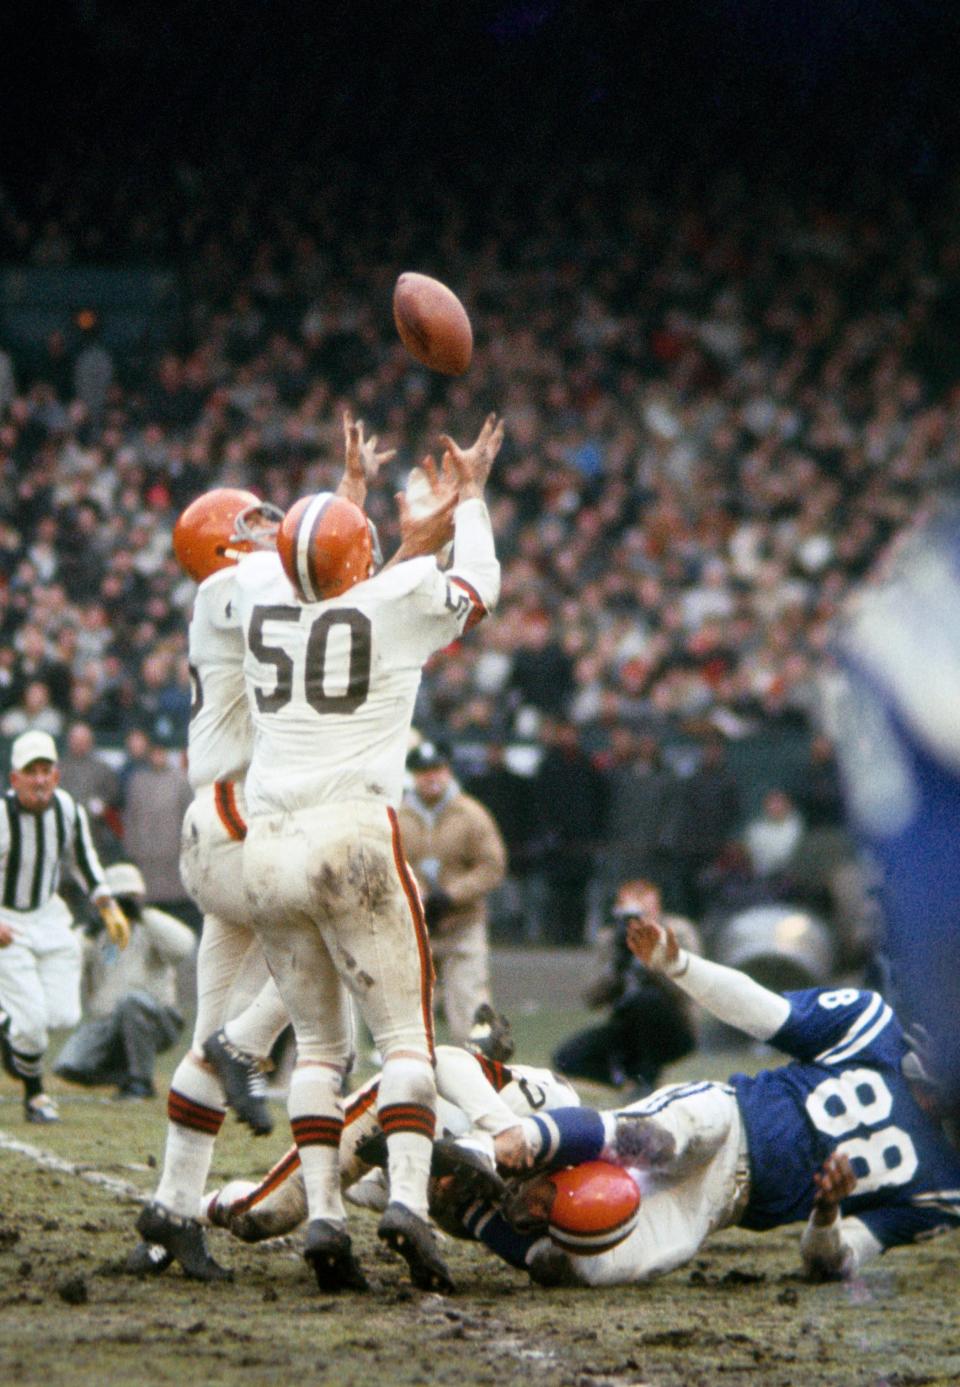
x,y
406,1107
316,1119
195,1111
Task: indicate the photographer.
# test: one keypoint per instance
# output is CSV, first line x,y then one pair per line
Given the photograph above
x,y
129,997
650,1022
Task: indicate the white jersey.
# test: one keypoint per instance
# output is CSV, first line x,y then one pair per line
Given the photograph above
x,y
332,684
530,1089
220,740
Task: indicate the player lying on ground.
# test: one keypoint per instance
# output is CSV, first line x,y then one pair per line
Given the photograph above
x,y
847,1137
479,1100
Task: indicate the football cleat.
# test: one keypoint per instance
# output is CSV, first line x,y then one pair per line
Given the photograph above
x,y
414,1239
184,1239
474,1172
242,1080
41,1109
329,1251
490,1035
148,1259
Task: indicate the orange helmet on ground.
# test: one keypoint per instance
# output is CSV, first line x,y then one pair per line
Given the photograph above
x,y
326,545
211,533
595,1207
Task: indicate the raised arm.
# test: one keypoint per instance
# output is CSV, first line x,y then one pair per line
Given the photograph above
x,y
426,525
472,465
729,994
362,462
475,565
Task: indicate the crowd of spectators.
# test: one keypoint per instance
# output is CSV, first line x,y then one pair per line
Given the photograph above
x,y
722,402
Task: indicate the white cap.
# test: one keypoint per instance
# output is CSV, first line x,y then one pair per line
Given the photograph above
x,y
32,746
124,879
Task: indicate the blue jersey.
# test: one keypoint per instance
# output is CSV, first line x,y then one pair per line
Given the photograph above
x,y
846,1092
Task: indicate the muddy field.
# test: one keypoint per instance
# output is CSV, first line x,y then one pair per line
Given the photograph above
x,y
739,1315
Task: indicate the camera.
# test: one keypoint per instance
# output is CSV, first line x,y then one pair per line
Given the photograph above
x,y
619,918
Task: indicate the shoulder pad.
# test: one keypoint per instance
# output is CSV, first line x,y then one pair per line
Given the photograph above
x,y
258,571
223,576
402,578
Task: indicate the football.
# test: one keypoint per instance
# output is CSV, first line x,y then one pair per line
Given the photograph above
x,y
432,323
596,1205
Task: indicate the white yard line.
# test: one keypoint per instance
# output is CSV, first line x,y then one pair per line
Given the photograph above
x,y
122,1188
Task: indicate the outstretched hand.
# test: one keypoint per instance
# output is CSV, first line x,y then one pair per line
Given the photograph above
x,y
362,461
472,465
426,510
654,943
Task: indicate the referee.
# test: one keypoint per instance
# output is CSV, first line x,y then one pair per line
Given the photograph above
x,y
41,827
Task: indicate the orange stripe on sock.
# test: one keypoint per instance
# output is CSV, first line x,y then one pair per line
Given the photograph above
x,y
185,1112
407,1117
317,1131
420,928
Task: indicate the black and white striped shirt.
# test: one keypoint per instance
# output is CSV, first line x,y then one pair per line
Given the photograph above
x,y
33,847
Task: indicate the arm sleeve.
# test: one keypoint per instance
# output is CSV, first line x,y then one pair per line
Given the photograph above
x,y
837,1252
86,861
475,564
170,937
831,1023
731,996
567,1136
461,1080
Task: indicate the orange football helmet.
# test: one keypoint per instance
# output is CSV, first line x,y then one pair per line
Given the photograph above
x,y
595,1207
326,545
213,531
